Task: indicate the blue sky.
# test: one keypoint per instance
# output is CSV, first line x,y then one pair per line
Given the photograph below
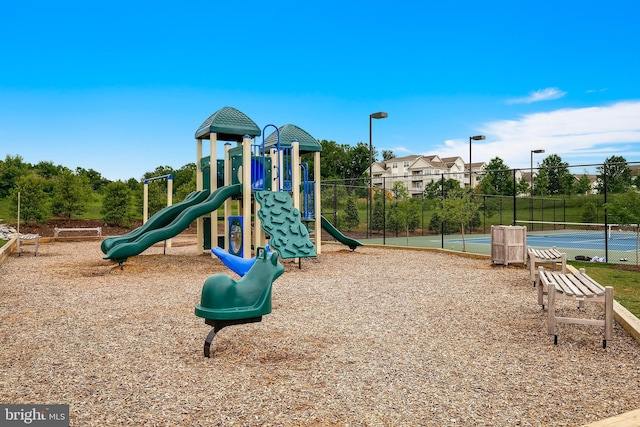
x,y
121,87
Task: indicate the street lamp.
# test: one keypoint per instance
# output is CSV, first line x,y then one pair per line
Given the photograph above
x,y
473,138
378,115
531,171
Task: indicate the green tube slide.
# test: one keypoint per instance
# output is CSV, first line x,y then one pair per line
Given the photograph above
x,y
160,219
352,243
121,252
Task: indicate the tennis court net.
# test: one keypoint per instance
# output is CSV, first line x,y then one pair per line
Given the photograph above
x,y
577,230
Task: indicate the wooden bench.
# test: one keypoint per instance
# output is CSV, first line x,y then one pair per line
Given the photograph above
x,y
549,257
28,237
577,287
57,230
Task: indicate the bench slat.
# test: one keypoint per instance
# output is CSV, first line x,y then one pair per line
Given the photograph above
x,y
591,284
566,285
584,290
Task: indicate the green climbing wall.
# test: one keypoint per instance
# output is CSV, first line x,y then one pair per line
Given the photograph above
x,y
281,221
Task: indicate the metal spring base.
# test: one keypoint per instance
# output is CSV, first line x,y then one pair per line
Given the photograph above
x,y
217,327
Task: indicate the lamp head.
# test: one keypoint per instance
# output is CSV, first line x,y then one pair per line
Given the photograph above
x,y
537,151
477,137
379,115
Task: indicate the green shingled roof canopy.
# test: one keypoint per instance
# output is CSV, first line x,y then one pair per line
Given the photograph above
x,y
307,143
229,124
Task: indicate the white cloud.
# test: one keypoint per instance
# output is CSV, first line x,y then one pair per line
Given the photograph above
x,y
547,94
578,136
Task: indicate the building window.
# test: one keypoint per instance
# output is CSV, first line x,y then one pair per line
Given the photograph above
x,y
395,166
406,164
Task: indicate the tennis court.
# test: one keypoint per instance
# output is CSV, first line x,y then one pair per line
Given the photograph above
x,y
614,243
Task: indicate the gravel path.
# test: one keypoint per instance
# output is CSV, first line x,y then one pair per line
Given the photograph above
x,y
375,337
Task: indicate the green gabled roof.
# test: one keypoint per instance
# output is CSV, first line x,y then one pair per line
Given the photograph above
x,y
229,124
288,133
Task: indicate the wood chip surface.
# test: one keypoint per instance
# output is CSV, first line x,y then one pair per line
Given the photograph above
x,y
375,337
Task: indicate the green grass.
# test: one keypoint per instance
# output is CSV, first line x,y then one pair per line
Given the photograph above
x,y
626,283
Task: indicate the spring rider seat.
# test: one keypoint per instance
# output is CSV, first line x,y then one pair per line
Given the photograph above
x,y
226,301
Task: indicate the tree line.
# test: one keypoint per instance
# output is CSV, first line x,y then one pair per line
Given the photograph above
x,y
48,190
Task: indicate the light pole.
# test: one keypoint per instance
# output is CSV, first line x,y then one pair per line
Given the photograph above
x,y
531,171
473,138
378,115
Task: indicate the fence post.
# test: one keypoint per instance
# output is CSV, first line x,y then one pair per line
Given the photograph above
x,y
441,216
384,211
515,188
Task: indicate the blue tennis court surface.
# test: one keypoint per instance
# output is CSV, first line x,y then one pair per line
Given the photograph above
x,y
573,240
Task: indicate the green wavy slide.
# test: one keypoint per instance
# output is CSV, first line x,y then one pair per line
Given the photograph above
x,y
160,219
121,252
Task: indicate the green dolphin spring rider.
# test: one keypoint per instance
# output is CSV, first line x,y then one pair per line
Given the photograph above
x,y
226,301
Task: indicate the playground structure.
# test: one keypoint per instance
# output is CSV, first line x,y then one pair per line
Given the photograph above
x,y
274,195
268,167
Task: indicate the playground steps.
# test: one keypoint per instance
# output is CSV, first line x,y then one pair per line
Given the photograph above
x,y
281,220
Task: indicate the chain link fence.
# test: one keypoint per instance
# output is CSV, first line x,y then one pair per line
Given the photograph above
x,y
580,210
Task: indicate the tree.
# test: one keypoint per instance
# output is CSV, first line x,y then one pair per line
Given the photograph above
x,y
184,181
589,212
583,185
404,214
185,189
357,160
523,186
11,170
34,202
71,194
333,196
460,209
617,174
352,219
498,179
93,178
433,189
334,159
117,204
387,155
554,177
48,170
377,222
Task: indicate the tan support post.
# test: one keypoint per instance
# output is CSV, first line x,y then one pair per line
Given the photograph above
x,y
246,196
199,187
169,200
145,202
295,173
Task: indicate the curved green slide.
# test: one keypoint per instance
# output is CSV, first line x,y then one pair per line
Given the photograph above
x,y
352,243
121,252
160,219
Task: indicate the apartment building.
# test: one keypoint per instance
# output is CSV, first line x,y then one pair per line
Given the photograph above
x,y
416,171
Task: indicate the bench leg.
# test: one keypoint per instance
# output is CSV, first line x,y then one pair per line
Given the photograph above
x,y
608,315
551,315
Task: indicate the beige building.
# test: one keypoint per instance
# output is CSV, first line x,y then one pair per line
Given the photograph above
x,y
416,171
